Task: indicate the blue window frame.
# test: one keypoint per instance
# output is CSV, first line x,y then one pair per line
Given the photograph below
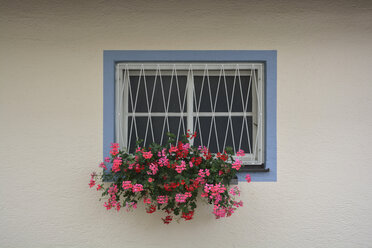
x,y
267,57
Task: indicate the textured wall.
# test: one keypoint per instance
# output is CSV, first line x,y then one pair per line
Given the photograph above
x,y
51,120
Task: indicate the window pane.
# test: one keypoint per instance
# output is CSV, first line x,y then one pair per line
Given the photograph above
x,y
159,95
156,133
223,92
177,99
205,88
240,96
228,133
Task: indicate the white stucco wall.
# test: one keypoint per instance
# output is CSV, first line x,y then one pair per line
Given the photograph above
x,y
51,120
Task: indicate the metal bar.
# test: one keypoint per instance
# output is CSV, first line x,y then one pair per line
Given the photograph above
x,y
190,105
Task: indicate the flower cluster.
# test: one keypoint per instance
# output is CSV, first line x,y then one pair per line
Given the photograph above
x,y
170,178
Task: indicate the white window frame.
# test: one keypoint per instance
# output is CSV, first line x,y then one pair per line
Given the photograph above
x,y
256,71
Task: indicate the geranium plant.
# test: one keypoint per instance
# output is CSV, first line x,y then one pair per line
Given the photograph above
x,y
170,178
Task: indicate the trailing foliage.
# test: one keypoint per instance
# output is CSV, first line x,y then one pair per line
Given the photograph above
x,y
170,178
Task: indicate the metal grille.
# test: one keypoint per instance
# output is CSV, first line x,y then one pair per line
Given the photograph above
x,y
223,103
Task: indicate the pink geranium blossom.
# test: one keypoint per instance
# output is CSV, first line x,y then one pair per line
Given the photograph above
x,y
114,149
237,165
127,185
181,167
116,164
154,169
240,153
162,199
180,198
137,187
248,178
173,149
92,183
102,165
147,155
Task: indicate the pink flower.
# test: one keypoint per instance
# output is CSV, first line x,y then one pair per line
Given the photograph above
x,y
154,168
114,149
186,146
99,187
191,164
235,191
137,187
127,185
161,199
173,149
240,153
147,155
147,200
188,194
237,164
238,204
248,178
180,198
181,167
102,165
92,183
116,164
150,180
113,190
202,173
204,194
163,161
107,159
138,149
162,153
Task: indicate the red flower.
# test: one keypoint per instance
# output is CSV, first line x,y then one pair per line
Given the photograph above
x,y
174,185
167,187
151,209
189,188
167,219
187,216
196,161
221,156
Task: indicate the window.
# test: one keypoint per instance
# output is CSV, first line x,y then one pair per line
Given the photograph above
x,y
221,102
227,97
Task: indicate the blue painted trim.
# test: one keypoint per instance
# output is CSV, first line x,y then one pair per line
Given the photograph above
x,y
269,57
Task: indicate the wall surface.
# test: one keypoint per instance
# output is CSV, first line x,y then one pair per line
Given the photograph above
x,y
51,60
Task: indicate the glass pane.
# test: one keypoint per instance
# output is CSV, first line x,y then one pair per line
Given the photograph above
x,y
202,127
177,99
222,93
138,90
202,93
146,84
173,123
207,133
241,96
246,141
247,86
